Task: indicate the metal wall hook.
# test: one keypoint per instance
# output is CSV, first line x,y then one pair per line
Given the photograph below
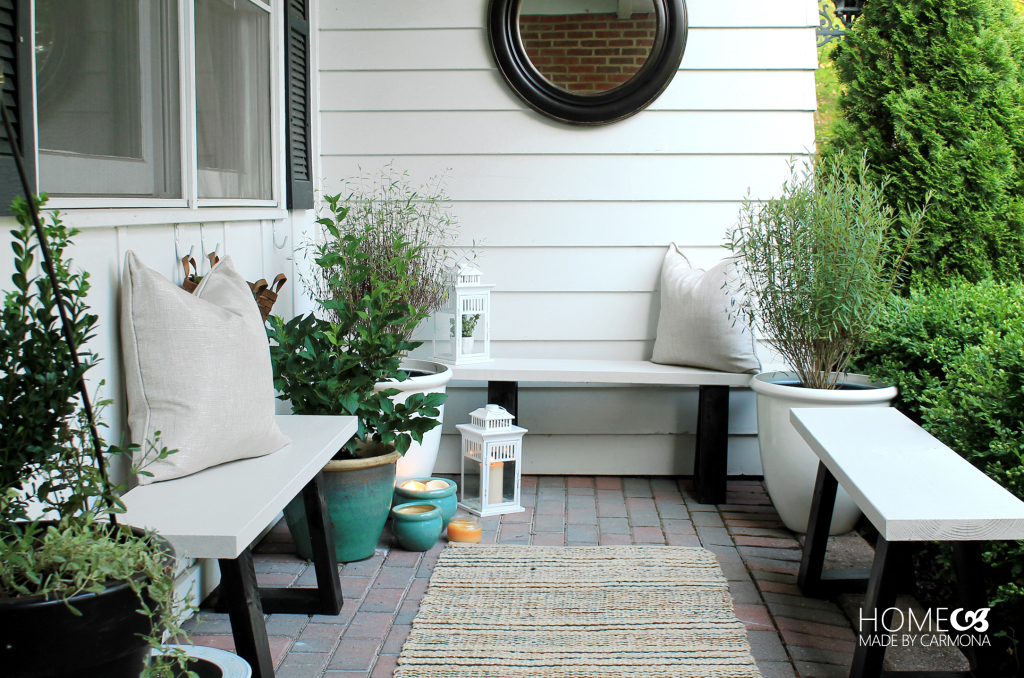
x,y
273,227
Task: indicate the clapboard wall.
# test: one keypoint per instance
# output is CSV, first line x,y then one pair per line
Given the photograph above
x,y
574,221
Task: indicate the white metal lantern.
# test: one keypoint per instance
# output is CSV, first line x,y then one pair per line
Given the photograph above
x,y
462,327
492,449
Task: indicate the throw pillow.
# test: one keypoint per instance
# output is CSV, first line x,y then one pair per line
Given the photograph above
x,y
694,327
197,370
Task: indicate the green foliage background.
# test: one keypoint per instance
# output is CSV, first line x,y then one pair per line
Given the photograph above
x,y
933,91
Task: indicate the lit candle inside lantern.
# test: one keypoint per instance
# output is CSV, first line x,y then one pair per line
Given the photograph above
x,y
495,484
413,485
464,529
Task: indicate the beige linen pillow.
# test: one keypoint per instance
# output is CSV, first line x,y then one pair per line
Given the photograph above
x,y
197,369
694,327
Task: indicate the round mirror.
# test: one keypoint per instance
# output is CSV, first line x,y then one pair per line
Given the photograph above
x,y
588,62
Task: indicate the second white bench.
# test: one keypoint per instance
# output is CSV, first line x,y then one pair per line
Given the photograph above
x,y
912,488
711,455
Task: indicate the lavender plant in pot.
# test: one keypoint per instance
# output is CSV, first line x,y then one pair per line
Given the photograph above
x,y
815,266
338,366
391,219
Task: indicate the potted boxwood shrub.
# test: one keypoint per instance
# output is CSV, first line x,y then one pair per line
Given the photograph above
x,y
391,219
338,366
79,594
815,267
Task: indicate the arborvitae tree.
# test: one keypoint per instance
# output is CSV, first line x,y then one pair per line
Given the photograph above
x,y
934,93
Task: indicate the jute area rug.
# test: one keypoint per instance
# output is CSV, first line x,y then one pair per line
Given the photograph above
x,y
587,612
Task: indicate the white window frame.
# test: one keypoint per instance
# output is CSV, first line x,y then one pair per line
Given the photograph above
x,y
190,208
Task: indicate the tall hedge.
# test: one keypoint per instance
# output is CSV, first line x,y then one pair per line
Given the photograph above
x,y
934,94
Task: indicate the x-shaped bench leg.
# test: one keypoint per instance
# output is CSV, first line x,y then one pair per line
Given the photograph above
x,y
245,602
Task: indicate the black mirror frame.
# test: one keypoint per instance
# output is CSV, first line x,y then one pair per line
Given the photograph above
x,y
627,99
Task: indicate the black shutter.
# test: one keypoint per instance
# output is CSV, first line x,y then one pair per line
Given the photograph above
x,y
16,61
296,66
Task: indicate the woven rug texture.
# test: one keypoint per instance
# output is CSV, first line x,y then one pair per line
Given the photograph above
x,y
587,612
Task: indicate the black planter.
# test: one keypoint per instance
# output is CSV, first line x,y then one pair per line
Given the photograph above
x,y
44,639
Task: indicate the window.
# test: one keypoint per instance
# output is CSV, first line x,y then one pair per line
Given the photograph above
x,y
233,99
161,102
107,97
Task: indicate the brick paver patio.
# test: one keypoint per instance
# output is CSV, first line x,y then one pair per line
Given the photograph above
x,y
791,635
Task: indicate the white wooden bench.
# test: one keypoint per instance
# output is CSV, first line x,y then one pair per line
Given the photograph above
x,y
912,488
219,512
710,461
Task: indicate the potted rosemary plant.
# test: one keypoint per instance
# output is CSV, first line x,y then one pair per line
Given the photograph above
x,y
392,221
80,595
815,267
346,365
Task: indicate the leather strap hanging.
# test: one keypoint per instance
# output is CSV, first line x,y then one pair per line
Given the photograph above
x,y
191,281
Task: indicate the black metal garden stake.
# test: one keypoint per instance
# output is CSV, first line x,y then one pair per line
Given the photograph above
x,y
69,337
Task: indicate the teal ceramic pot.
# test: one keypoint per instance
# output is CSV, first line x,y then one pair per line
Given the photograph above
x,y
445,499
417,525
358,493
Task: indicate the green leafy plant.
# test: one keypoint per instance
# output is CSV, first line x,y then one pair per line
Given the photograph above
x,y
469,322
332,366
48,458
817,263
957,355
391,220
933,92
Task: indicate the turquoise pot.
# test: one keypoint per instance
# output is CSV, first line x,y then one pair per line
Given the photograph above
x,y
445,499
358,493
418,529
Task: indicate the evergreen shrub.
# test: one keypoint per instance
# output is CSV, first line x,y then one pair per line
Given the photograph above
x,y
933,92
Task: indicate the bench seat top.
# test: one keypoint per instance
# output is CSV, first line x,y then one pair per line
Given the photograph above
x,y
909,485
220,511
596,372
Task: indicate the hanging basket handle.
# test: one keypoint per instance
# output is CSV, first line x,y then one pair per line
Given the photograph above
x,y
278,283
186,261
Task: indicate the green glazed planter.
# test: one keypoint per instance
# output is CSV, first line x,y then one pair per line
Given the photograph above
x,y
358,493
416,531
445,499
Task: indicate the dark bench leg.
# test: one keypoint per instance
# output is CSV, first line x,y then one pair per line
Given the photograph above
x,y
712,450
970,577
812,579
885,570
818,524
245,602
326,597
504,394
238,582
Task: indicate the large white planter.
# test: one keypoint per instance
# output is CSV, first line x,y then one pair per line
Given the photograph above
x,y
419,460
790,467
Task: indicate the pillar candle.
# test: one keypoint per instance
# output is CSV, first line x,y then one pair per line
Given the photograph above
x,y
495,483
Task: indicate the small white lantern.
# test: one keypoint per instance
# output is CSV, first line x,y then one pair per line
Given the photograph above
x,y
462,327
492,450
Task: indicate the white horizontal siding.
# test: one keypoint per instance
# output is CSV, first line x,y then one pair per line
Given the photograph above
x,y
593,223
484,90
571,223
425,14
518,133
462,49
585,177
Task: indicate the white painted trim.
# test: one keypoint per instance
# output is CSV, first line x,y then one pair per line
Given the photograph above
x,y
108,218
